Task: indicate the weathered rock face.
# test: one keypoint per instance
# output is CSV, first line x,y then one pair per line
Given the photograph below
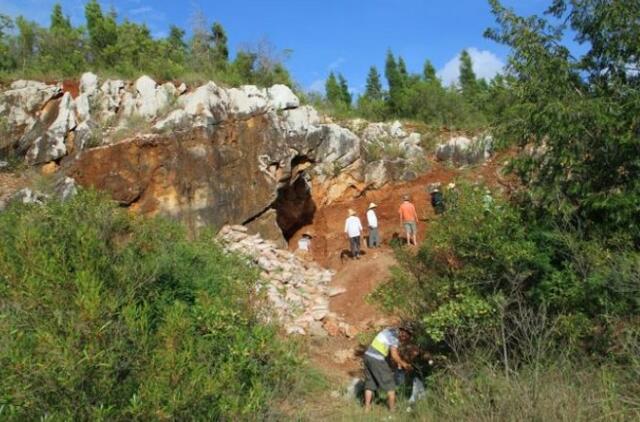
x,y
209,155
461,150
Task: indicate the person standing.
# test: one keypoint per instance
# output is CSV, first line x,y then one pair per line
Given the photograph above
x,y
372,222
409,218
437,200
353,229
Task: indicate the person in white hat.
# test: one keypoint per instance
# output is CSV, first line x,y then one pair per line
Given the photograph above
x,y
372,222
353,230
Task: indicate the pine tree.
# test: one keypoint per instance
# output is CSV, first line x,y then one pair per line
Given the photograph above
x,y
344,90
429,72
374,87
220,48
333,91
394,79
103,32
402,70
468,81
59,22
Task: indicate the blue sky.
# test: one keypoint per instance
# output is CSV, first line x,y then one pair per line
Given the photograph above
x,y
345,36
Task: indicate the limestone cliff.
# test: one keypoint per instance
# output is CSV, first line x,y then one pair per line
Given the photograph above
x,y
206,155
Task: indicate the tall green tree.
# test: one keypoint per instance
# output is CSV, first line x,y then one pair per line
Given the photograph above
x,y
135,49
103,33
394,80
402,70
344,90
579,114
220,47
27,40
429,72
468,80
59,22
62,50
373,88
333,90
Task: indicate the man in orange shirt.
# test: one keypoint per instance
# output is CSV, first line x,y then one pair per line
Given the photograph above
x,y
409,218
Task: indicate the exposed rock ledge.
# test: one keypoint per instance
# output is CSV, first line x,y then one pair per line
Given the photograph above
x,y
207,155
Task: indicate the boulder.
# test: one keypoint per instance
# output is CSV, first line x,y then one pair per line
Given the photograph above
x,y
51,146
282,98
461,150
88,83
340,147
246,101
266,225
151,100
207,105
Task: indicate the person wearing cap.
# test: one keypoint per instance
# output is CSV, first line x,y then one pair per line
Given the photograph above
x,y
378,374
353,230
409,218
372,222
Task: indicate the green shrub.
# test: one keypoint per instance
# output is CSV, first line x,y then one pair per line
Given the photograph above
x,y
489,278
106,316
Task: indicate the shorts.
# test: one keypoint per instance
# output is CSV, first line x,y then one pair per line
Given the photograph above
x,y
378,375
410,227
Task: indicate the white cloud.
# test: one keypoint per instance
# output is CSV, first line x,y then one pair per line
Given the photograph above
x,y
140,10
316,86
336,63
485,65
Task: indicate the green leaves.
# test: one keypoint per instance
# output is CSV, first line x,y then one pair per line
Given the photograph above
x,y
111,316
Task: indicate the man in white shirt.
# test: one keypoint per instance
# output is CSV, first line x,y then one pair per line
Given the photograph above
x,y
372,222
353,229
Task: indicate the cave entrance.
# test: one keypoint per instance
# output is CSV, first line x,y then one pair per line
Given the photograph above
x,y
294,205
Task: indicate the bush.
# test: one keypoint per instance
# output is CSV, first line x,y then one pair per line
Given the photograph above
x,y
489,278
108,316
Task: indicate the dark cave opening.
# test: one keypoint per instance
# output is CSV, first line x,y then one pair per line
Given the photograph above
x,y
294,205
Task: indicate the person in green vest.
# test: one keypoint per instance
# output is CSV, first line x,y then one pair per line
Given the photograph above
x,y
377,371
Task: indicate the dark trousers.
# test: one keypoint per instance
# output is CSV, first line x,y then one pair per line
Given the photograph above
x,y
374,238
354,243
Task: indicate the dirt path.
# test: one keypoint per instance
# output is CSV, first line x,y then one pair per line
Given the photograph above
x,y
338,356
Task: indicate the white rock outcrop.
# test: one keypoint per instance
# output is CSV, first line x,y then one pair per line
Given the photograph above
x,y
461,150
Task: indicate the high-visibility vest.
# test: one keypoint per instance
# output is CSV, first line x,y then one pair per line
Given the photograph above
x,y
380,345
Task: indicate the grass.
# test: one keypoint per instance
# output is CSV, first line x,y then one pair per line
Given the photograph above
x,y
474,391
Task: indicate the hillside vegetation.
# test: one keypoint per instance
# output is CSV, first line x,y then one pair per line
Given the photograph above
x,y
519,292
105,316
110,46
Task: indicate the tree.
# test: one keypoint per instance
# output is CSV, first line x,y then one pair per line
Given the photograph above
x,y
7,62
333,90
135,49
580,115
26,41
200,48
344,90
62,49
402,70
429,72
103,32
220,48
468,81
59,22
394,80
373,88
